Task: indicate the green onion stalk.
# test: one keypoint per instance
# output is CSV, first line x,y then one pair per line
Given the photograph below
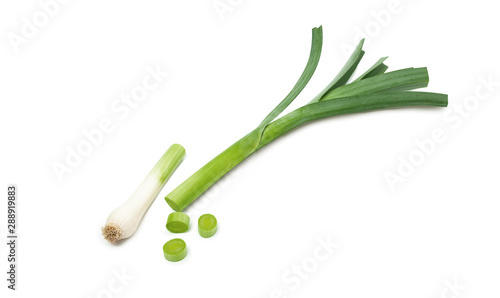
x,y
375,89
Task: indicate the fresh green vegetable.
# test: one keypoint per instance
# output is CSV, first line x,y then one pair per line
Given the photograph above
x,y
123,221
175,250
177,222
207,225
373,90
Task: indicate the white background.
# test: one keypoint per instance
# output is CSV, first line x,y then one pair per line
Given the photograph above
x,y
322,181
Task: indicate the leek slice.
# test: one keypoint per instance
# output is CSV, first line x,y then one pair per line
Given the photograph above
x,y
177,222
175,250
207,225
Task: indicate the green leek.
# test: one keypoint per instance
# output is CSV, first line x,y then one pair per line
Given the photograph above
x,y
373,90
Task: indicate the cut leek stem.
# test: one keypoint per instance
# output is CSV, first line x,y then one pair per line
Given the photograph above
x,y
175,250
373,90
207,225
177,222
123,221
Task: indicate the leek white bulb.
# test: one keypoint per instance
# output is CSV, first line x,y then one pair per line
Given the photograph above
x,y
124,220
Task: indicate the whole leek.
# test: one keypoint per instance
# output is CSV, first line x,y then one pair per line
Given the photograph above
x,y
373,90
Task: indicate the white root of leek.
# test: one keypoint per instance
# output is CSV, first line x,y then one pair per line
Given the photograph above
x,y
124,220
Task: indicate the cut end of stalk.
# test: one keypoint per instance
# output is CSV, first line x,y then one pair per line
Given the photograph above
x,y
112,233
172,205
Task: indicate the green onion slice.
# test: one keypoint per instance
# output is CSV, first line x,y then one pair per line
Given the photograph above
x,y
207,225
178,222
175,250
